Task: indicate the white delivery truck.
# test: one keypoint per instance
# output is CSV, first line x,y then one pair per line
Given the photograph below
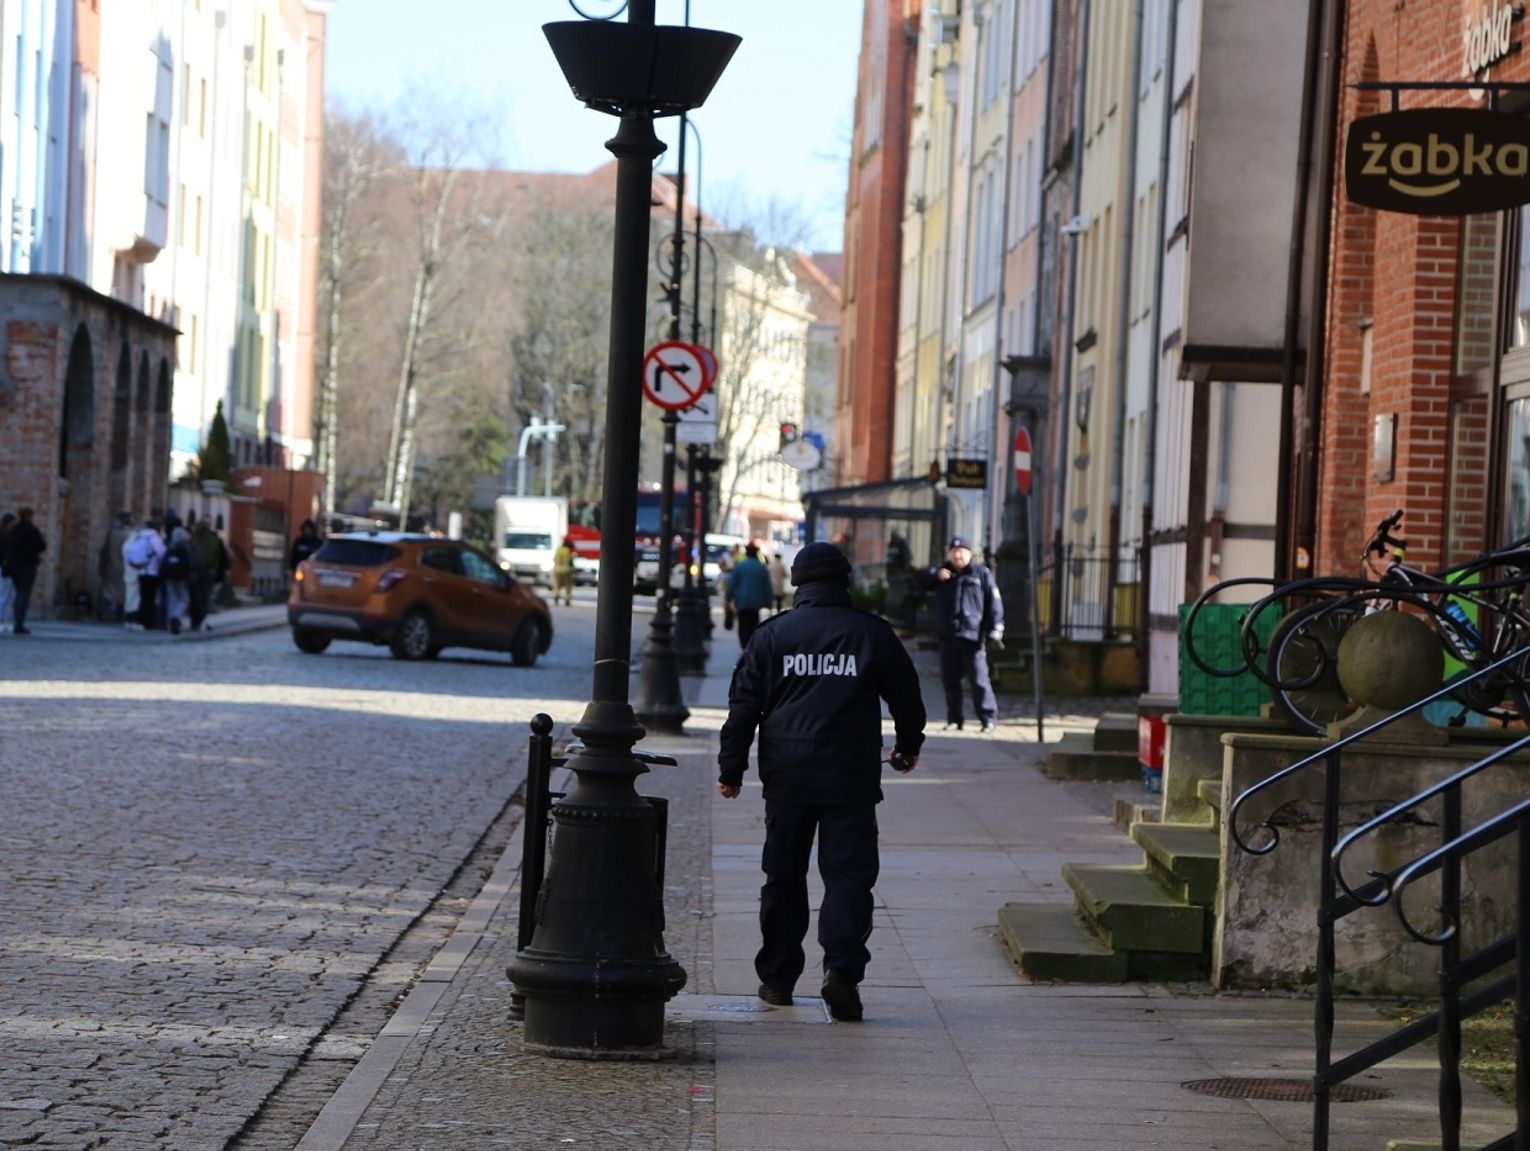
x,y
528,530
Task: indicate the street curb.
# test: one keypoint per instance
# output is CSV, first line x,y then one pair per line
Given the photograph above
x,y
338,1119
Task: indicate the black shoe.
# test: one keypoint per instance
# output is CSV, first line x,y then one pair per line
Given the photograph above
x,y
23,631
841,996
175,627
775,996
954,725
989,726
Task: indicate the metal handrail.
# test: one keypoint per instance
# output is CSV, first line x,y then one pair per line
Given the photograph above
x,y
1387,880
1489,831
1333,748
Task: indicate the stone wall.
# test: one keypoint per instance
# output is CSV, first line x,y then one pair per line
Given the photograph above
x,y
1266,933
85,389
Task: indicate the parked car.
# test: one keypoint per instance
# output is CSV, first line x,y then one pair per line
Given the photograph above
x,y
417,594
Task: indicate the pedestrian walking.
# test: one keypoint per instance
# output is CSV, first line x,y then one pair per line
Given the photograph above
x,y
563,572
778,576
177,569
748,592
7,587
112,569
968,613
812,682
305,545
143,553
212,567
23,554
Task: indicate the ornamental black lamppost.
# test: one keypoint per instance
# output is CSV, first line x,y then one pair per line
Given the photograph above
x,y
659,705
595,976
692,611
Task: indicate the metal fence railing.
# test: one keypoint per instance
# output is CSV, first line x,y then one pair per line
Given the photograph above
x,y
1091,593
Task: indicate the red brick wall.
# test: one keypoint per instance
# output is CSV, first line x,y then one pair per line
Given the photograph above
x,y
873,255
1400,272
74,509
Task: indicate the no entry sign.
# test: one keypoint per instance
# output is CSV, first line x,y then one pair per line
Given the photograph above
x,y
1023,459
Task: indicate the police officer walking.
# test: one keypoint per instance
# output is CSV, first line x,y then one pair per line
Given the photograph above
x,y
968,612
812,680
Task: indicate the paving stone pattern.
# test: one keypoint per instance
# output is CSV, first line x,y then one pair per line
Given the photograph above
x,y
206,848
468,1086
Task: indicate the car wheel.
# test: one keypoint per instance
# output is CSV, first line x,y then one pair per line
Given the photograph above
x,y
413,640
528,644
308,642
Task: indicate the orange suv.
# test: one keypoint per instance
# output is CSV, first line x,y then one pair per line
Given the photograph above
x,y
417,594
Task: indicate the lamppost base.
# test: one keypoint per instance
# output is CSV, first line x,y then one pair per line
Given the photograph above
x,y
690,643
575,1009
595,977
659,706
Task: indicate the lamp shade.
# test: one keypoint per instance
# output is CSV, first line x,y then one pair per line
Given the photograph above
x,y
620,68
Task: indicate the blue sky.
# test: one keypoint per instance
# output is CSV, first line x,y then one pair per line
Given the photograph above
x,y
776,126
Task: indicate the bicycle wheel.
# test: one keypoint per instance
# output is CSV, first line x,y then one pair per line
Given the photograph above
x,y
1303,666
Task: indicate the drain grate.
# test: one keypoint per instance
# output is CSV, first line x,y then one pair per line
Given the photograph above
x,y
1288,1090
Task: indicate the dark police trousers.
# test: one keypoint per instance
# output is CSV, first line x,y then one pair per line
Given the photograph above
x,y
966,659
847,861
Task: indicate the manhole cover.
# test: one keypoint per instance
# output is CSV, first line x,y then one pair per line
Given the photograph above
x,y
1289,1090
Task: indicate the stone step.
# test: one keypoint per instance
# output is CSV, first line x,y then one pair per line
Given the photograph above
x,y
1416,1145
1187,858
1116,731
1132,911
1074,757
1125,812
1210,793
1050,941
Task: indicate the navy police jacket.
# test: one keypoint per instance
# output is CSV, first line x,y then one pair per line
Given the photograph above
x,y
812,680
968,605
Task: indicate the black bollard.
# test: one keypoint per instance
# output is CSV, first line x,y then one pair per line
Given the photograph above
x,y
539,765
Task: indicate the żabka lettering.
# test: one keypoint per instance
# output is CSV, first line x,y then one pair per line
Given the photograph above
x,y
1443,161
818,663
1439,161
1488,40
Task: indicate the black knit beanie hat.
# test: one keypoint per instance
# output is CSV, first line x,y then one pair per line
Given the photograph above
x,y
820,561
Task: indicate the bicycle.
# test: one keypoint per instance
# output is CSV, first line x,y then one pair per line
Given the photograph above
x,y
1299,661
1301,665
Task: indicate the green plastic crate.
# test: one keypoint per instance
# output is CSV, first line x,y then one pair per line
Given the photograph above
x,y
1218,641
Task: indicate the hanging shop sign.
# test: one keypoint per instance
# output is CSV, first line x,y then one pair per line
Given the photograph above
x,y
966,473
1438,161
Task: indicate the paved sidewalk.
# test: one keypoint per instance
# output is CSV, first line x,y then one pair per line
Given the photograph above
x,y
223,622
957,1051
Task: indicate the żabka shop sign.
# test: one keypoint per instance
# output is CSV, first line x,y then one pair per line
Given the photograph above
x,y
1438,161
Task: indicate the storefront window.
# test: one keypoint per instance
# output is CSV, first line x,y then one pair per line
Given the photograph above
x,y
1520,336
1517,469
1477,295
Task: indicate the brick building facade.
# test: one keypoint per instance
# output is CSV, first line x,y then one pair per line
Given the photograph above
x,y
1426,356
85,397
874,241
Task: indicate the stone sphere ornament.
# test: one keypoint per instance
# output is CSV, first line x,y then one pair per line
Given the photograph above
x,y
1389,660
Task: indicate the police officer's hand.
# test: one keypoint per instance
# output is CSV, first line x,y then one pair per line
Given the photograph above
x,y
996,637
903,763
943,574
727,791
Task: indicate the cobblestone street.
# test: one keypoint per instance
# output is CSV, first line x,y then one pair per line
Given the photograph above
x,y
207,847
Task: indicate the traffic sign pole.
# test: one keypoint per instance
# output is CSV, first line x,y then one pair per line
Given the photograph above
x,y
1023,480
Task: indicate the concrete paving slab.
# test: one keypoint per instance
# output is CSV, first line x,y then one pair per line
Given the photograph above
x,y
957,1050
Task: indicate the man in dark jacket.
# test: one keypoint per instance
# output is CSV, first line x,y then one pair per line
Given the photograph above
x,y
23,554
968,612
812,681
